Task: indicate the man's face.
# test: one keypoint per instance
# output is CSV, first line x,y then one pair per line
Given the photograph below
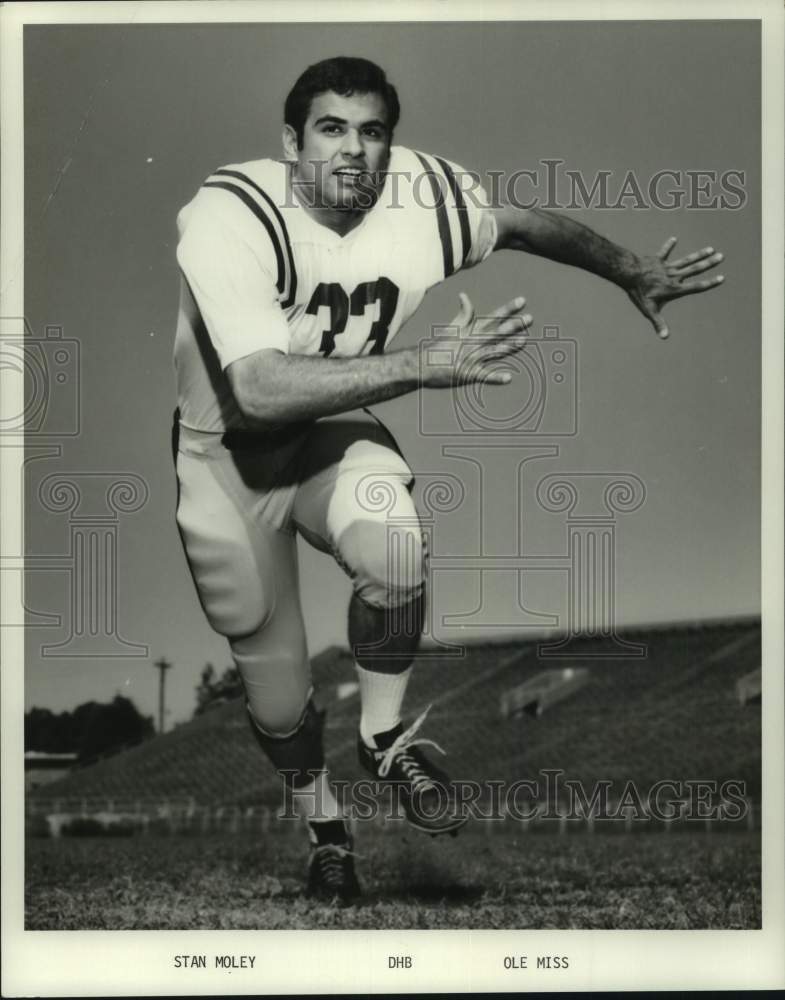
x,y
345,150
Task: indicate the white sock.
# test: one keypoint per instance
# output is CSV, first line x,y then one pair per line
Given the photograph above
x,y
315,801
381,698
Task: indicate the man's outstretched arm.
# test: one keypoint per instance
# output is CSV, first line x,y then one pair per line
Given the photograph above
x,y
650,282
273,388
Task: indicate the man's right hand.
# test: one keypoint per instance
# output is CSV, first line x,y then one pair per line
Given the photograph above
x,y
470,349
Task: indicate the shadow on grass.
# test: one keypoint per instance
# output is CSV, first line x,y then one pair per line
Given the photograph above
x,y
429,892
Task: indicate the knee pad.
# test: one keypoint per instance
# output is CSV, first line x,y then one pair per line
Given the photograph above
x,y
386,563
276,674
241,620
297,754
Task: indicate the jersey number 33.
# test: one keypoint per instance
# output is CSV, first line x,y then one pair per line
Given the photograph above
x,y
341,306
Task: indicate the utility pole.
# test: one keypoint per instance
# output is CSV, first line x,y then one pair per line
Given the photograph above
x,y
163,665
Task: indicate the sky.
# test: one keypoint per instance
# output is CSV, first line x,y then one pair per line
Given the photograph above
x,y
123,123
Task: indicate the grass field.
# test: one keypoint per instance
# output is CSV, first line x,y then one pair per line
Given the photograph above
x,y
504,880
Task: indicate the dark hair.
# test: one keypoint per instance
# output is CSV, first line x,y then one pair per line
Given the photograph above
x,y
343,75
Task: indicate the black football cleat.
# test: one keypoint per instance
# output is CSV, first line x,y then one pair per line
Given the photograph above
x,y
331,876
425,792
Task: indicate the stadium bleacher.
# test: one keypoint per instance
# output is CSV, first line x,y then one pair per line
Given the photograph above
x,y
674,714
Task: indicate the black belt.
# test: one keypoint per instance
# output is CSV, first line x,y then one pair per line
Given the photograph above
x,y
239,439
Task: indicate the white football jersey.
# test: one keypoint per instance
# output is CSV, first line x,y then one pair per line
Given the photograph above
x,y
260,272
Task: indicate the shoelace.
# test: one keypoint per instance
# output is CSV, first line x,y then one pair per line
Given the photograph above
x,y
330,858
411,768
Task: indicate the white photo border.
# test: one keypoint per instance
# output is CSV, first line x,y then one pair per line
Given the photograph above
x,y
76,963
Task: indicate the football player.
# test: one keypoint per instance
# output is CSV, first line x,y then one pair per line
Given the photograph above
x,y
296,276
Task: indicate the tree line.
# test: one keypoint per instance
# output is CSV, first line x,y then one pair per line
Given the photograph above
x,y
95,729
91,730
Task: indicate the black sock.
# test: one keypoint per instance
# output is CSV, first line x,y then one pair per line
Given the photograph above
x,y
328,831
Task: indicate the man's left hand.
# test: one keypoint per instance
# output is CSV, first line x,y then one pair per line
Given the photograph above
x,y
660,280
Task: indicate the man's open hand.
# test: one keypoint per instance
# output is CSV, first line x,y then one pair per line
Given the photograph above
x,y
660,280
471,349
